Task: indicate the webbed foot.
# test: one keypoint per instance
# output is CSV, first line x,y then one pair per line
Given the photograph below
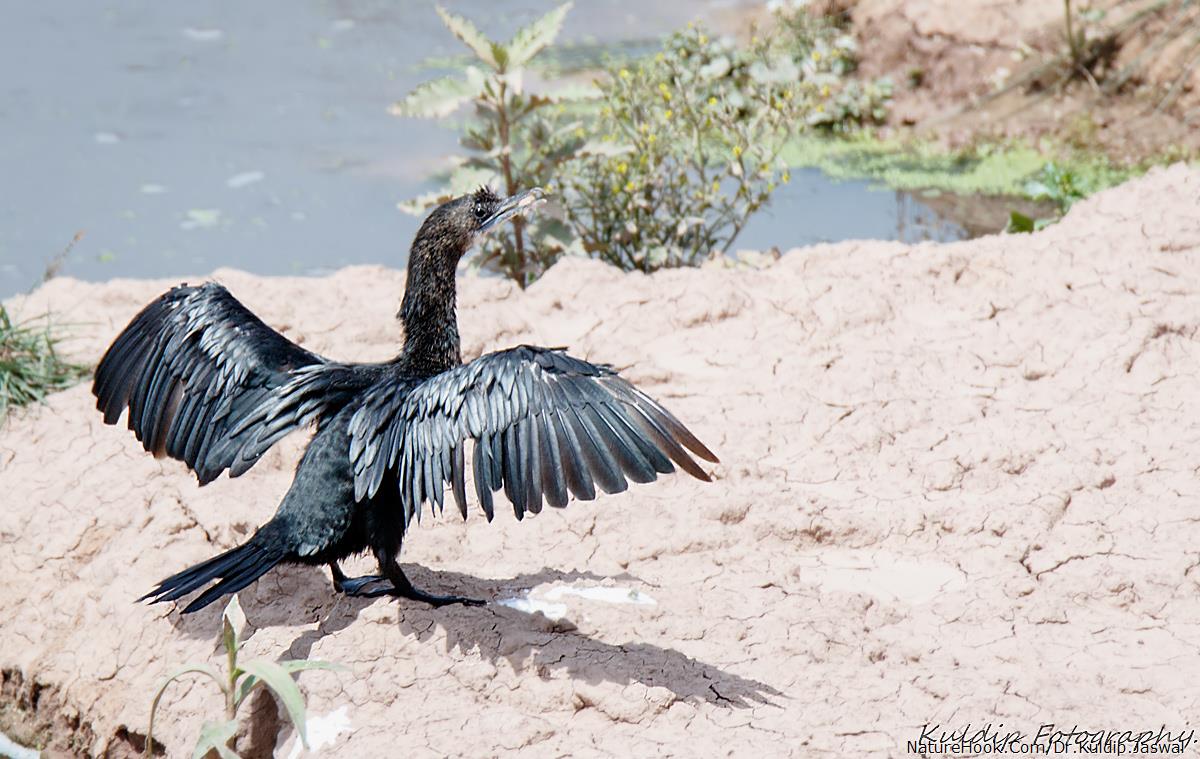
x,y
354,586
403,588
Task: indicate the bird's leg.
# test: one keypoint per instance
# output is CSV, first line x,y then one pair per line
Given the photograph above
x,y
403,588
393,582
353,586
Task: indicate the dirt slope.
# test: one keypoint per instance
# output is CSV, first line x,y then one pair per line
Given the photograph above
x,y
959,485
942,54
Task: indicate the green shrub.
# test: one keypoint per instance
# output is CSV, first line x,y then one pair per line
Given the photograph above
x,y
685,150
1060,185
829,55
30,366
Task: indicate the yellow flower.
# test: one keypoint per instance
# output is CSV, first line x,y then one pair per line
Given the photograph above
x,y
786,177
716,186
712,101
825,91
622,167
787,94
624,73
580,133
660,57
668,114
820,108
816,55
691,25
737,151
754,40
703,39
616,189
651,139
630,186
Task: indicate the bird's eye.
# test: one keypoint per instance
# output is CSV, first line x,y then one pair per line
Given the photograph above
x,y
479,211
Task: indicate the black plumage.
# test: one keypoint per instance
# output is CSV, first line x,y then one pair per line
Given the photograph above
x,y
208,383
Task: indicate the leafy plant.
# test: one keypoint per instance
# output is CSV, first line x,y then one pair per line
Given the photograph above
x,y
1061,186
686,150
1020,223
829,55
30,366
687,145
517,140
238,681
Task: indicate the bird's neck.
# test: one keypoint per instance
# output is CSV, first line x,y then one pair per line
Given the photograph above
x,y
428,312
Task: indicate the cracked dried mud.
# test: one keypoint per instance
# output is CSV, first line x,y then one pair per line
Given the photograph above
x,y
959,484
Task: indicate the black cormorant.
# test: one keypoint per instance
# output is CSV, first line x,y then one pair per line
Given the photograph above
x,y
208,383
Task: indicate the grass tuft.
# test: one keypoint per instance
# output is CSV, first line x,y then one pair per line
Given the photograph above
x,y
30,365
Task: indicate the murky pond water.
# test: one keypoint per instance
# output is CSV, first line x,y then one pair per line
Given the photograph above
x,y
180,137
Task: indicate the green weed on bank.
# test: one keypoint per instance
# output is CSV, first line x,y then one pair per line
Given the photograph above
x,y
30,365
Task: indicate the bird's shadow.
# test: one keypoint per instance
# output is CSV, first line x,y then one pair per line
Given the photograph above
x,y
528,642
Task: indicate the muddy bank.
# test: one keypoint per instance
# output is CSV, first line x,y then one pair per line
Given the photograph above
x,y
958,486
945,54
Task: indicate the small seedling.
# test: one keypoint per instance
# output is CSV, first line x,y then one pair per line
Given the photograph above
x,y
1060,185
236,684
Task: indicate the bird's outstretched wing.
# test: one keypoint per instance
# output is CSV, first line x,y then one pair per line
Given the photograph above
x,y
203,379
542,424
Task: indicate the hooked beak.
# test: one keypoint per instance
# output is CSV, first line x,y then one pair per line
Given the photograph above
x,y
511,206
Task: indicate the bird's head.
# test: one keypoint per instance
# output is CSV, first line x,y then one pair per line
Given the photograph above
x,y
427,310
453,227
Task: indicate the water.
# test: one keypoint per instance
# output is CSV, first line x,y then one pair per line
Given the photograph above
x,y
179,137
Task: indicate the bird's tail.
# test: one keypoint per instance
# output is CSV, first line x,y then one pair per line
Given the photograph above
x,y
236,568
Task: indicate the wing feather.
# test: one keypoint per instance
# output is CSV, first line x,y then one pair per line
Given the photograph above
x,y
513,487
532,457
203,379
575,469
482,469
544,426
552,462
605,469
633,462
459,483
